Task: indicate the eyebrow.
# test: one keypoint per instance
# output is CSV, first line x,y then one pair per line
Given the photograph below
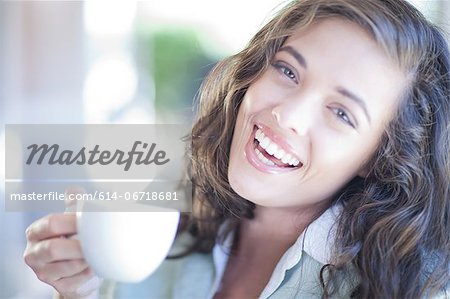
x,y
300,59
348,94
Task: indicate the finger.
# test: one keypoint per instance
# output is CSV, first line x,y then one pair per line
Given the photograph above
x,y
57,270
52,226
54,250
70,285
71,204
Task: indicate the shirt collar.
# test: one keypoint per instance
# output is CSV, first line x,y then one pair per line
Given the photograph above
x,y
319,235
317,241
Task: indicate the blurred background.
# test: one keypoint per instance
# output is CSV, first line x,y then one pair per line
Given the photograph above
x,y
112,62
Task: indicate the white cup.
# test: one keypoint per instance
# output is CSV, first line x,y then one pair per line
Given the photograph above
x,y
125,246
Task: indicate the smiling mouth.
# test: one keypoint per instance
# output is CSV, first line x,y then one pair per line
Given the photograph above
x,y
271,154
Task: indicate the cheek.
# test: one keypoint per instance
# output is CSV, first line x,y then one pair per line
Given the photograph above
x,y
240,129
344,157
263,94
250,104
240,137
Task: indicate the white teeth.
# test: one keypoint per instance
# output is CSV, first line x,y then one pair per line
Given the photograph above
x,y
279,154
292,161
263,159
286,158
259,135
265,142
272,149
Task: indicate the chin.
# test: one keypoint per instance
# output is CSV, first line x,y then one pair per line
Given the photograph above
x,y
251,191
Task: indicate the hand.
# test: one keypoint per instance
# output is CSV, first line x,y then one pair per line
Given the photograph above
x,y
57,259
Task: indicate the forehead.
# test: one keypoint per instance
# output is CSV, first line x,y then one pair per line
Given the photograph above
x,y
337,36
340,53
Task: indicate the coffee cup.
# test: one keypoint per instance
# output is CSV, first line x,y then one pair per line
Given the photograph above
x,y
125,246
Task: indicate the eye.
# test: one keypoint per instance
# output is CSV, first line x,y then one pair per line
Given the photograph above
x,y
343,116
285,70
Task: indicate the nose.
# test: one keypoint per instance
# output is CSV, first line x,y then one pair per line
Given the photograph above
x,y
295,114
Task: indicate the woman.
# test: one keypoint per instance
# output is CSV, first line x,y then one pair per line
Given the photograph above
x,y
320,160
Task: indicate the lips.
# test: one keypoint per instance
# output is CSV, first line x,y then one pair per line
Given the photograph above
x,y
268,152
272,153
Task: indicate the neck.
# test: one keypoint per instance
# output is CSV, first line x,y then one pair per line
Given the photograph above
x,y
276,228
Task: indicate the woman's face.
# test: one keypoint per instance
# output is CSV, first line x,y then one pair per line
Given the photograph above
x,y
307,126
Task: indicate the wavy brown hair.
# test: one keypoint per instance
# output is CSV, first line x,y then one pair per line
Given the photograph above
x,y
394,230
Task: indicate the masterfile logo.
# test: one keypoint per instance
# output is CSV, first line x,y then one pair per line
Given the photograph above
x,y
54,155
113,163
